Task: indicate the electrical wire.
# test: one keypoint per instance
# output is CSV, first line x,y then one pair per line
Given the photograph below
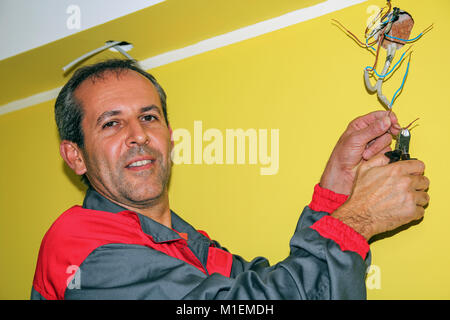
x,y
348,31
393,68
380,41
403,83
383,28
371,23
389,11
370,46
403,40
411,40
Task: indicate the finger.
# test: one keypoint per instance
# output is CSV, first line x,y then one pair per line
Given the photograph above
x,y
420,212
373,131
409,167
383,151
421,183
377,161
377,145
414,167
422,198
366,120
395,126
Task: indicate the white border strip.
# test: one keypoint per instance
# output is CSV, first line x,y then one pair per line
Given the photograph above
x,y
249,32
29,101
235,36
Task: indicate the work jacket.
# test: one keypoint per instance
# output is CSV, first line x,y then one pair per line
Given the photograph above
x,y
103,251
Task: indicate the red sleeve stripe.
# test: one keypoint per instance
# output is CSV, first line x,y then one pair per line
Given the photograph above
x,y
346,237
326,200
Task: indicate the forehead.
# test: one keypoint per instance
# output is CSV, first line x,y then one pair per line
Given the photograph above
x,y
124,90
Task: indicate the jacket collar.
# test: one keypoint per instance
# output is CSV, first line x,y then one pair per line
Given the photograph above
x,y
160,233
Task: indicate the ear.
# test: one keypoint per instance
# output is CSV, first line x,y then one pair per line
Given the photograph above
x,y
73,156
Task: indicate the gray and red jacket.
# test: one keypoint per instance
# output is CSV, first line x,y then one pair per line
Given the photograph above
x,y
103,251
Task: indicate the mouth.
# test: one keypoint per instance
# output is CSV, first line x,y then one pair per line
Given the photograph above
x,y
140,164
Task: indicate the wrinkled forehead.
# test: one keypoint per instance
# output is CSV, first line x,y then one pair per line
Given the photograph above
x,y
116,88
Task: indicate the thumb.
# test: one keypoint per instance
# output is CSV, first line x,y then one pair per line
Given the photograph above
x,y
379,160
373,131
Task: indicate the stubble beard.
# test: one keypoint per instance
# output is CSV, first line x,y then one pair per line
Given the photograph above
x,y
151,187
117,185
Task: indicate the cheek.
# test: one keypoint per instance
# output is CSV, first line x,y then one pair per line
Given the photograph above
x,y
111,153
162,141
104,154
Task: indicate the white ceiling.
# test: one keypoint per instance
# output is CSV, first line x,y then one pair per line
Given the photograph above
x,y
26,24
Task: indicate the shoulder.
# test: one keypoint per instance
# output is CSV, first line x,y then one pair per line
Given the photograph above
x,y
72,237
79,229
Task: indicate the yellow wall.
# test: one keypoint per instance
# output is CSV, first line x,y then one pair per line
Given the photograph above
x,y
305,80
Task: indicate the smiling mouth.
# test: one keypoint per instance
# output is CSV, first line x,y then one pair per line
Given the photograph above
x,y
140,165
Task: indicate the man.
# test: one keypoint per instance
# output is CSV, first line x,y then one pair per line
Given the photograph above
x,y
126,243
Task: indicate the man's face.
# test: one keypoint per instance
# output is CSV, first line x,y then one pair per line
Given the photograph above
x,y
127,142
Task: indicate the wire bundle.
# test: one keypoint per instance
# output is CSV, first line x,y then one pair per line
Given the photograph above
x,y
379,33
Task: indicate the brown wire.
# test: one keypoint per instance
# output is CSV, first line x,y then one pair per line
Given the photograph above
x,y
385,15
348,31
382,18
428,28
380,41
409,125
376,18
389,10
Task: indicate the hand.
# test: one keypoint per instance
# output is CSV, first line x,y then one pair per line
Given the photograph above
x,y
364,138
385,196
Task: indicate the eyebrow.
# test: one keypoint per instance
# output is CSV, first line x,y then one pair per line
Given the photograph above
x,y
149,108
112,113
106,115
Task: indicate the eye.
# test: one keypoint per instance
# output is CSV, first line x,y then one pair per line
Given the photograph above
x,y
109,124
149,117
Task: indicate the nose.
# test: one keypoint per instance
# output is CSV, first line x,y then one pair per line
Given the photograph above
x,y
137,136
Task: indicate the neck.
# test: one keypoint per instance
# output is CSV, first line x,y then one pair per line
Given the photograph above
x,y
157,209
160,212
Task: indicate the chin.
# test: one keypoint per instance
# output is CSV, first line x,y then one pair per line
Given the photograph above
x,y
145,194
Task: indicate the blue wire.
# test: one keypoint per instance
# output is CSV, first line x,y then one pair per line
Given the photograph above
x,y
393,68
404,40
401,87
367,40
410,40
